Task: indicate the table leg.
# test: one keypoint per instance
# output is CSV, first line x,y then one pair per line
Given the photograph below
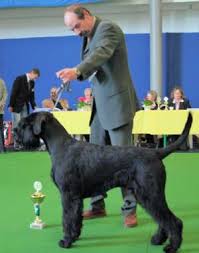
x,y
190,141
164,141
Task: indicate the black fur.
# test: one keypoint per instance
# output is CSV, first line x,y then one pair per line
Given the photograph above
x,y
81,170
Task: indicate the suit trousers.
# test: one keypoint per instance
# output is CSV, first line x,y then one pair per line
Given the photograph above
x,y
120,136
16,118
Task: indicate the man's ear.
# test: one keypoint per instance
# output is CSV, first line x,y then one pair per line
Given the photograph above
x,y
39,121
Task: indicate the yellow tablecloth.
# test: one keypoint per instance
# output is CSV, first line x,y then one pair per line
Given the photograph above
x,y
75,122
164,122
151,122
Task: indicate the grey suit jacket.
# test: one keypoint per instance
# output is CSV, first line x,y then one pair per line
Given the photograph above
x,y
104,61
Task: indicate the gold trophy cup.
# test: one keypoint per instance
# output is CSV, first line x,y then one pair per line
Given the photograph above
x,y
37,199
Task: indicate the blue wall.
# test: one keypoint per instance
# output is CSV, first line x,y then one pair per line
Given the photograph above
x,y
42,3
181,54
180,63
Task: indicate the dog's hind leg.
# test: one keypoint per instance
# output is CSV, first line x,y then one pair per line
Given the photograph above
x,y
72,220
159,237
169,225
175,236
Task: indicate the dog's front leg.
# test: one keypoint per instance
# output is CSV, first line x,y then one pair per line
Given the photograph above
x,y
72,220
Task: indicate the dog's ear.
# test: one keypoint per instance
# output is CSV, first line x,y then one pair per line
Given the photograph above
x,y
40,119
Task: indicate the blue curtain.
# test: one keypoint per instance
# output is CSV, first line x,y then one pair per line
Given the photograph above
x,y
42,3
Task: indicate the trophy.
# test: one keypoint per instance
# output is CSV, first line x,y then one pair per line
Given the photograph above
x,y
158,102
166,103
37,199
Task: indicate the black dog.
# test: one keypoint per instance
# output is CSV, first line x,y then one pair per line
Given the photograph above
x,y
81,170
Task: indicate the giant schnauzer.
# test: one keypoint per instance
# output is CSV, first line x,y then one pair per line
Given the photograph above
x,y
82,170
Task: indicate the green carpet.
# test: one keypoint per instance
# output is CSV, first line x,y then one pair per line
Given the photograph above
x,y
19,170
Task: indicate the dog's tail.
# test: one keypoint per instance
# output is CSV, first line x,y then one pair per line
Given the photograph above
x,y
163,152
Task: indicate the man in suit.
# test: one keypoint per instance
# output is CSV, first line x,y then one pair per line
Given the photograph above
x,y
3,96
104,63
22,95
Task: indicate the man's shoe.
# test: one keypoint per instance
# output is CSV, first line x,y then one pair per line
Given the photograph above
x,y
130,220
92,214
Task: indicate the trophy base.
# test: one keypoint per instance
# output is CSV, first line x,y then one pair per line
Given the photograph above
x,y
35,225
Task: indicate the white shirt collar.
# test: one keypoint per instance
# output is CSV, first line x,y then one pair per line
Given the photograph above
x,y
28,79
181,100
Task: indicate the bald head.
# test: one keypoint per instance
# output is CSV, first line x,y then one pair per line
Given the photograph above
x,y
79,10
79,20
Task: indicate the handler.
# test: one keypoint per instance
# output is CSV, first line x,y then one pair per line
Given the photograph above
x,y
105,64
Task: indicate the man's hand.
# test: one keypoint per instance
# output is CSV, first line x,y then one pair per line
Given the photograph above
x,y
67,74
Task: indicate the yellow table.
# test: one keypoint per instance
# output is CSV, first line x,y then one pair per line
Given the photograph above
x,y
164,122
145,122
75,122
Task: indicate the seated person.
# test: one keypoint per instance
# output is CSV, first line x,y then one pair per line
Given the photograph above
x,y
88,95
148,139
85,102
85,105
50,103
152,96
178,102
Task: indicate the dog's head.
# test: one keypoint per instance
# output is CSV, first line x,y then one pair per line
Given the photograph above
x,y
29,130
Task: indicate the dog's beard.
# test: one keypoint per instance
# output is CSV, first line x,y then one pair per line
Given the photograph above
x,y
32,144
29,141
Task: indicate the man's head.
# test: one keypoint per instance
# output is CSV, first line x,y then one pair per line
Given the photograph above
x,y
79,20
88,93
34,74
53,93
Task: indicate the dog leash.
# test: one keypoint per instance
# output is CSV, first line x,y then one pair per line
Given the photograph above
x,y
60,90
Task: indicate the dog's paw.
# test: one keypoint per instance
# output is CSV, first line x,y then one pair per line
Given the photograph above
x,y
158,239
169,249
75,238
65,243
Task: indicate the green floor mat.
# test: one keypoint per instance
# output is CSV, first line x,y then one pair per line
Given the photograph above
x,y
19,170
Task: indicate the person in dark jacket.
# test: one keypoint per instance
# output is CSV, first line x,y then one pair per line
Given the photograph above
x,y
150,140
22,95
178,101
